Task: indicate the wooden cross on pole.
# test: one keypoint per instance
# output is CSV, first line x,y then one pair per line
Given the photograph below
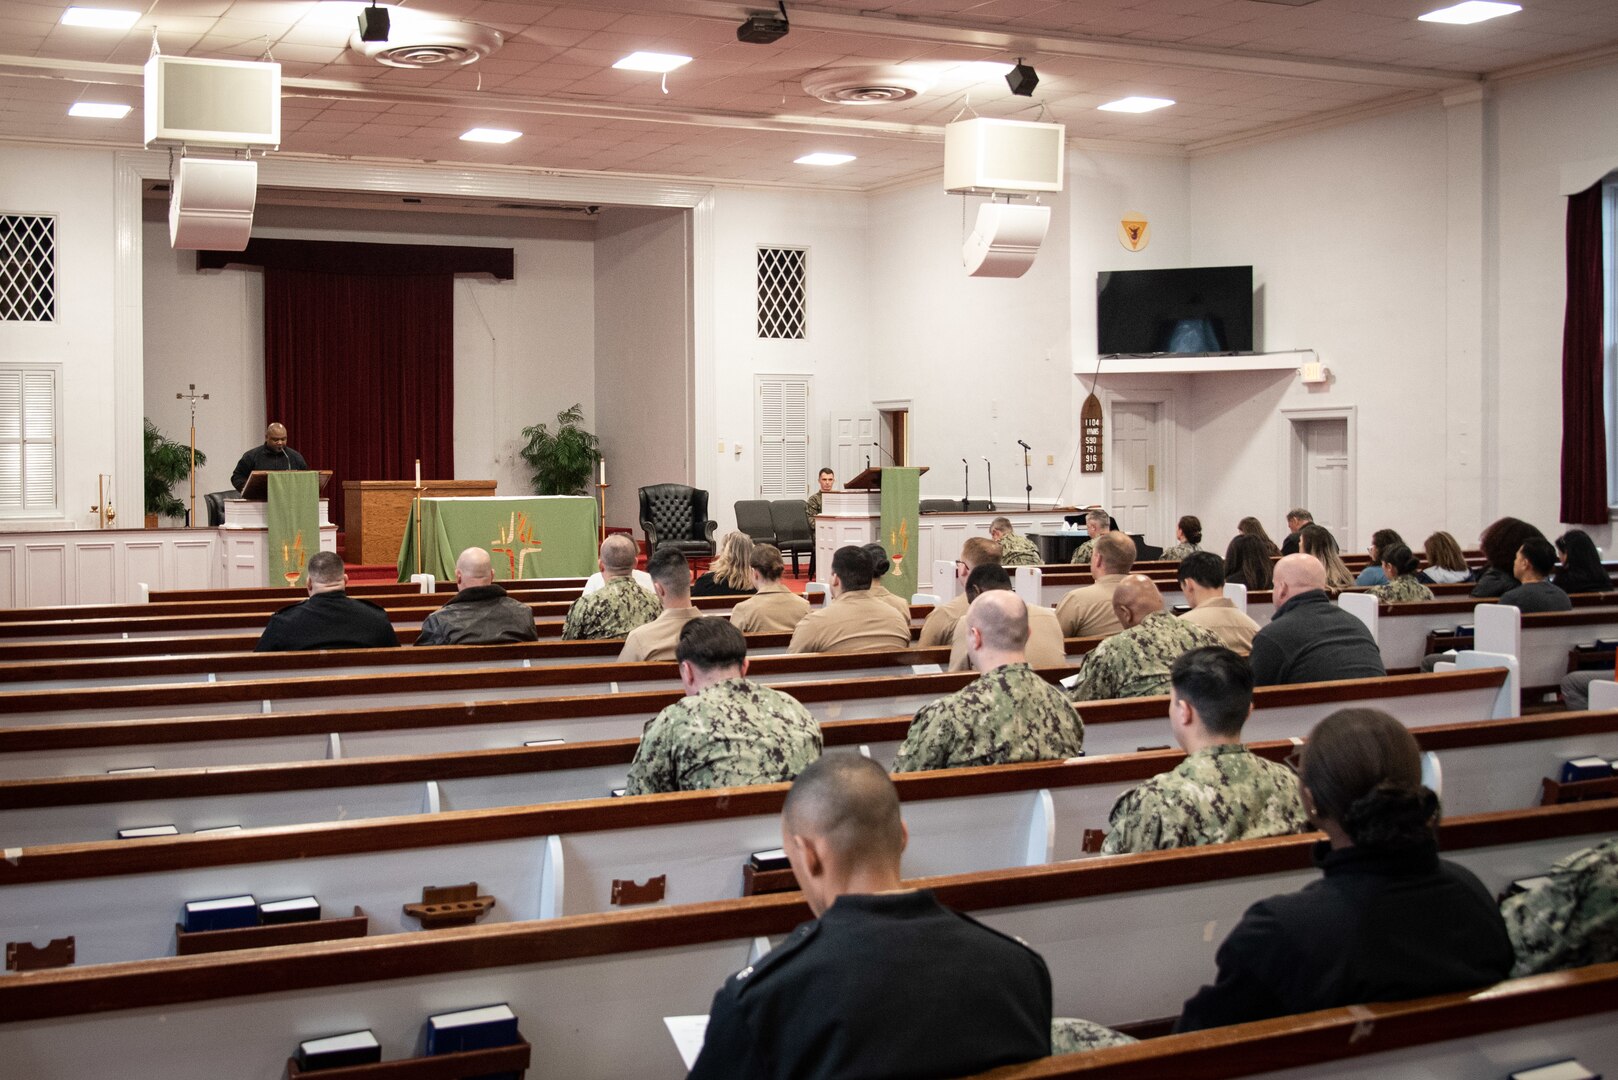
x,y
191,515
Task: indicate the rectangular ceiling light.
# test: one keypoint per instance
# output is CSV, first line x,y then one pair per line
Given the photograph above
x,y
1472,11
824,159
100,18
491,135
652,61
1136,104
99,111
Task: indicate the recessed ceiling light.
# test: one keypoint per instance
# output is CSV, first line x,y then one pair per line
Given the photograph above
x,y
1136,104
491,135
1472,11
99,112
824,159
652,61
100,18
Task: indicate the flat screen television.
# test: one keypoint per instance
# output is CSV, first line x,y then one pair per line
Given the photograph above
x,y
1205,309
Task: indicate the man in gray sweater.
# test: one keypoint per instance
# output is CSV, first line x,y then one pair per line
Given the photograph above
x,y
1309,638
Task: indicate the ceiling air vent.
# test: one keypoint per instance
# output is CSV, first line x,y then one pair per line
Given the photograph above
x,y
429,45
864,85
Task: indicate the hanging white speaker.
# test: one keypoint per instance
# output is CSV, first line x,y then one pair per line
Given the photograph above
x,y
986,154
197,102
1005,240
211,204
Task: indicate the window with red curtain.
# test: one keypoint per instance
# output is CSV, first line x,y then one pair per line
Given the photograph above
x,y
1584,428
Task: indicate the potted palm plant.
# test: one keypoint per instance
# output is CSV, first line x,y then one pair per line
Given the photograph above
x,y
167,463
562,460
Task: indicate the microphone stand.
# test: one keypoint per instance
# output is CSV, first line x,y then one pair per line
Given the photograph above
x,y
1028,484
988,467
966,486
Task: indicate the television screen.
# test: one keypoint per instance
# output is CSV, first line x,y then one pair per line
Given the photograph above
x,y
1202,310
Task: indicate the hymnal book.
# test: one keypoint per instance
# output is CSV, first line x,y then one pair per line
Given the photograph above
x,y
926,669
132,769
219,830
223,913
774,859
298,909
1466,630
618,792
1606,643
337,1051
471,1029
1585,768
148,830
545,742
1560,1070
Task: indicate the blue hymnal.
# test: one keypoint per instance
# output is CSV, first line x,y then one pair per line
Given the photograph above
x,y
1585,768
774,859
299,909
224,913
1466,630
471,1029
337,1051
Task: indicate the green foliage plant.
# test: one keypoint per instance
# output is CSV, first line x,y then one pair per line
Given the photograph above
x,y
167,463
562,460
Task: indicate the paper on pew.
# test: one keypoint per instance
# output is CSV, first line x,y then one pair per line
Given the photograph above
x,y
926,669
689,1033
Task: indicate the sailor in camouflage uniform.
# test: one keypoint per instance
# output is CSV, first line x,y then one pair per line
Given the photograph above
x,y
620,605
1400,566
1221,791
1569,920
1014,550
1096,522
1009,714
1136,662
726,732
812,505
1189,534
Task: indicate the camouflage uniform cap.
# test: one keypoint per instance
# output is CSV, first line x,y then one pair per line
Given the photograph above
x,y
1570,920
1005,715
1216,795
612,611
1136,662
1401,590
733,734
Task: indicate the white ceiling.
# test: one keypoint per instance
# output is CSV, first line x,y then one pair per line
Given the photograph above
x,y
1237,68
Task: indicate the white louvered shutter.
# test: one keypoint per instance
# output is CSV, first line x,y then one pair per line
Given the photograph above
x,y
28,441
782,421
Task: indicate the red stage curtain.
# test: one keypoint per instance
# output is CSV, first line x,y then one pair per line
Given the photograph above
x,y
361,370
1584,432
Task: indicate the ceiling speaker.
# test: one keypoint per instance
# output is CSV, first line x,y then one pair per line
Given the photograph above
x,y
211,204
1005,240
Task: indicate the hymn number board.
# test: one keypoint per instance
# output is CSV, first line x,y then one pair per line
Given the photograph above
x,y
1090,435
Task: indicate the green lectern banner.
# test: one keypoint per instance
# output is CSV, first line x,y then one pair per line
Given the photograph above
x,y
534,537
901,508
294,522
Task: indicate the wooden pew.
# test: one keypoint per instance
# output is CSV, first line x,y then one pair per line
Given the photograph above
x,y
591,990
1540,640
360,589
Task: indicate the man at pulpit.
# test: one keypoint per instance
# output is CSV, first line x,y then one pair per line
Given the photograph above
x,y
274,456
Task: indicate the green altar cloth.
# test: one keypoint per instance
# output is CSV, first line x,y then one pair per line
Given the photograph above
x,y
526,537
293,516
901,505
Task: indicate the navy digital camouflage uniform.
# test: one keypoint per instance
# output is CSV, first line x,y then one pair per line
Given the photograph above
x,y
1081,557
1007,714
1400,590
1570,920
1178,552
811,508
732,734
1136,662
1071,1036
1214,796
1018,551
612,611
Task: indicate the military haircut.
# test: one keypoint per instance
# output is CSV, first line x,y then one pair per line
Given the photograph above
x,y
979,550
1203,567
669,567
1099,518
848,801
1116,550
1001,617
825,470
766,559
1540,555
986,578
325,568
880,563
1218,684
711,644
853,568
618,553
1000,525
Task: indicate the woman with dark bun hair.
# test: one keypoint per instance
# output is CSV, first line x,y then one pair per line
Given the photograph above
x,y
1188,535
1500,542
1388,920
1399,566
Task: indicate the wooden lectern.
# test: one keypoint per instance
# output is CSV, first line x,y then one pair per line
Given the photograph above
x,y
376,513
871,479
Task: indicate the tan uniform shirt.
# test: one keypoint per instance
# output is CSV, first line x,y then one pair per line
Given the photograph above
x,y
939,629
1046,646
1234,628
775,610
1087,611
854,622
893,600
657,639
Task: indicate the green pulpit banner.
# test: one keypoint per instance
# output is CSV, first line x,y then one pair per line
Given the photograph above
x,y
293,514
901,511
526,537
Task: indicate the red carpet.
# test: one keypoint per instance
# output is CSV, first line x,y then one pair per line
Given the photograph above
x,y
368,573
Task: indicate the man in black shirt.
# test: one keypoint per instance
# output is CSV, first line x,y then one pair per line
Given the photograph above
x,y
1535,561
330,618
886,982
274,456
1309,638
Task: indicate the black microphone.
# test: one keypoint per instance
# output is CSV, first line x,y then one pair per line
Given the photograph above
x,y
1024,445
966,487
867,461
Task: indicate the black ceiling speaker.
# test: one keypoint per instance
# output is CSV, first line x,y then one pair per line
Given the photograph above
x,y
1022,79
764,29
374,23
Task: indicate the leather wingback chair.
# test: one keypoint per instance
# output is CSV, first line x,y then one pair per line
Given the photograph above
x,y
215,502
676,515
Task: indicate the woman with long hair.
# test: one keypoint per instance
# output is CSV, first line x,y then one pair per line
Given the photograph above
x,y
731,572
1446,562
1252,526
1381,540
1318,541
1501,540
1388,920
1246,563
1189,534
1399,566
1581,564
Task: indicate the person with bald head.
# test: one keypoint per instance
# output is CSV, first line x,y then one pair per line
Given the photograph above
x,y
480,612
1136,662
620,605
274,456
885,980
1309,638
1009,713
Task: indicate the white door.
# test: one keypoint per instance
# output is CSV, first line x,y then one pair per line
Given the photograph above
x,y
1322,476
854,439
1136,465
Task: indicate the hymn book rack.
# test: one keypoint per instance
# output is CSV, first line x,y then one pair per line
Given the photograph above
x,y
459,1066
192,943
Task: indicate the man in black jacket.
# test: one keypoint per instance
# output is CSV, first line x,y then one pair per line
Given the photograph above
x,y
886,982
480,613
330,618
274,456
1311,639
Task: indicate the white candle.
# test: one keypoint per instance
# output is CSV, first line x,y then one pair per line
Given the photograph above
x,y
418,472
603,472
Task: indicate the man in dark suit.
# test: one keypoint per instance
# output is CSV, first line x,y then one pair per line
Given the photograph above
x,y
330,618
274,456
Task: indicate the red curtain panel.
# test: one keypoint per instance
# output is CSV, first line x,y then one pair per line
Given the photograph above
x,y
1584,431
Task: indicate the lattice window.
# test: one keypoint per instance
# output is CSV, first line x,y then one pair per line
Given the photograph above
x,y
29,477
782,293
27,268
